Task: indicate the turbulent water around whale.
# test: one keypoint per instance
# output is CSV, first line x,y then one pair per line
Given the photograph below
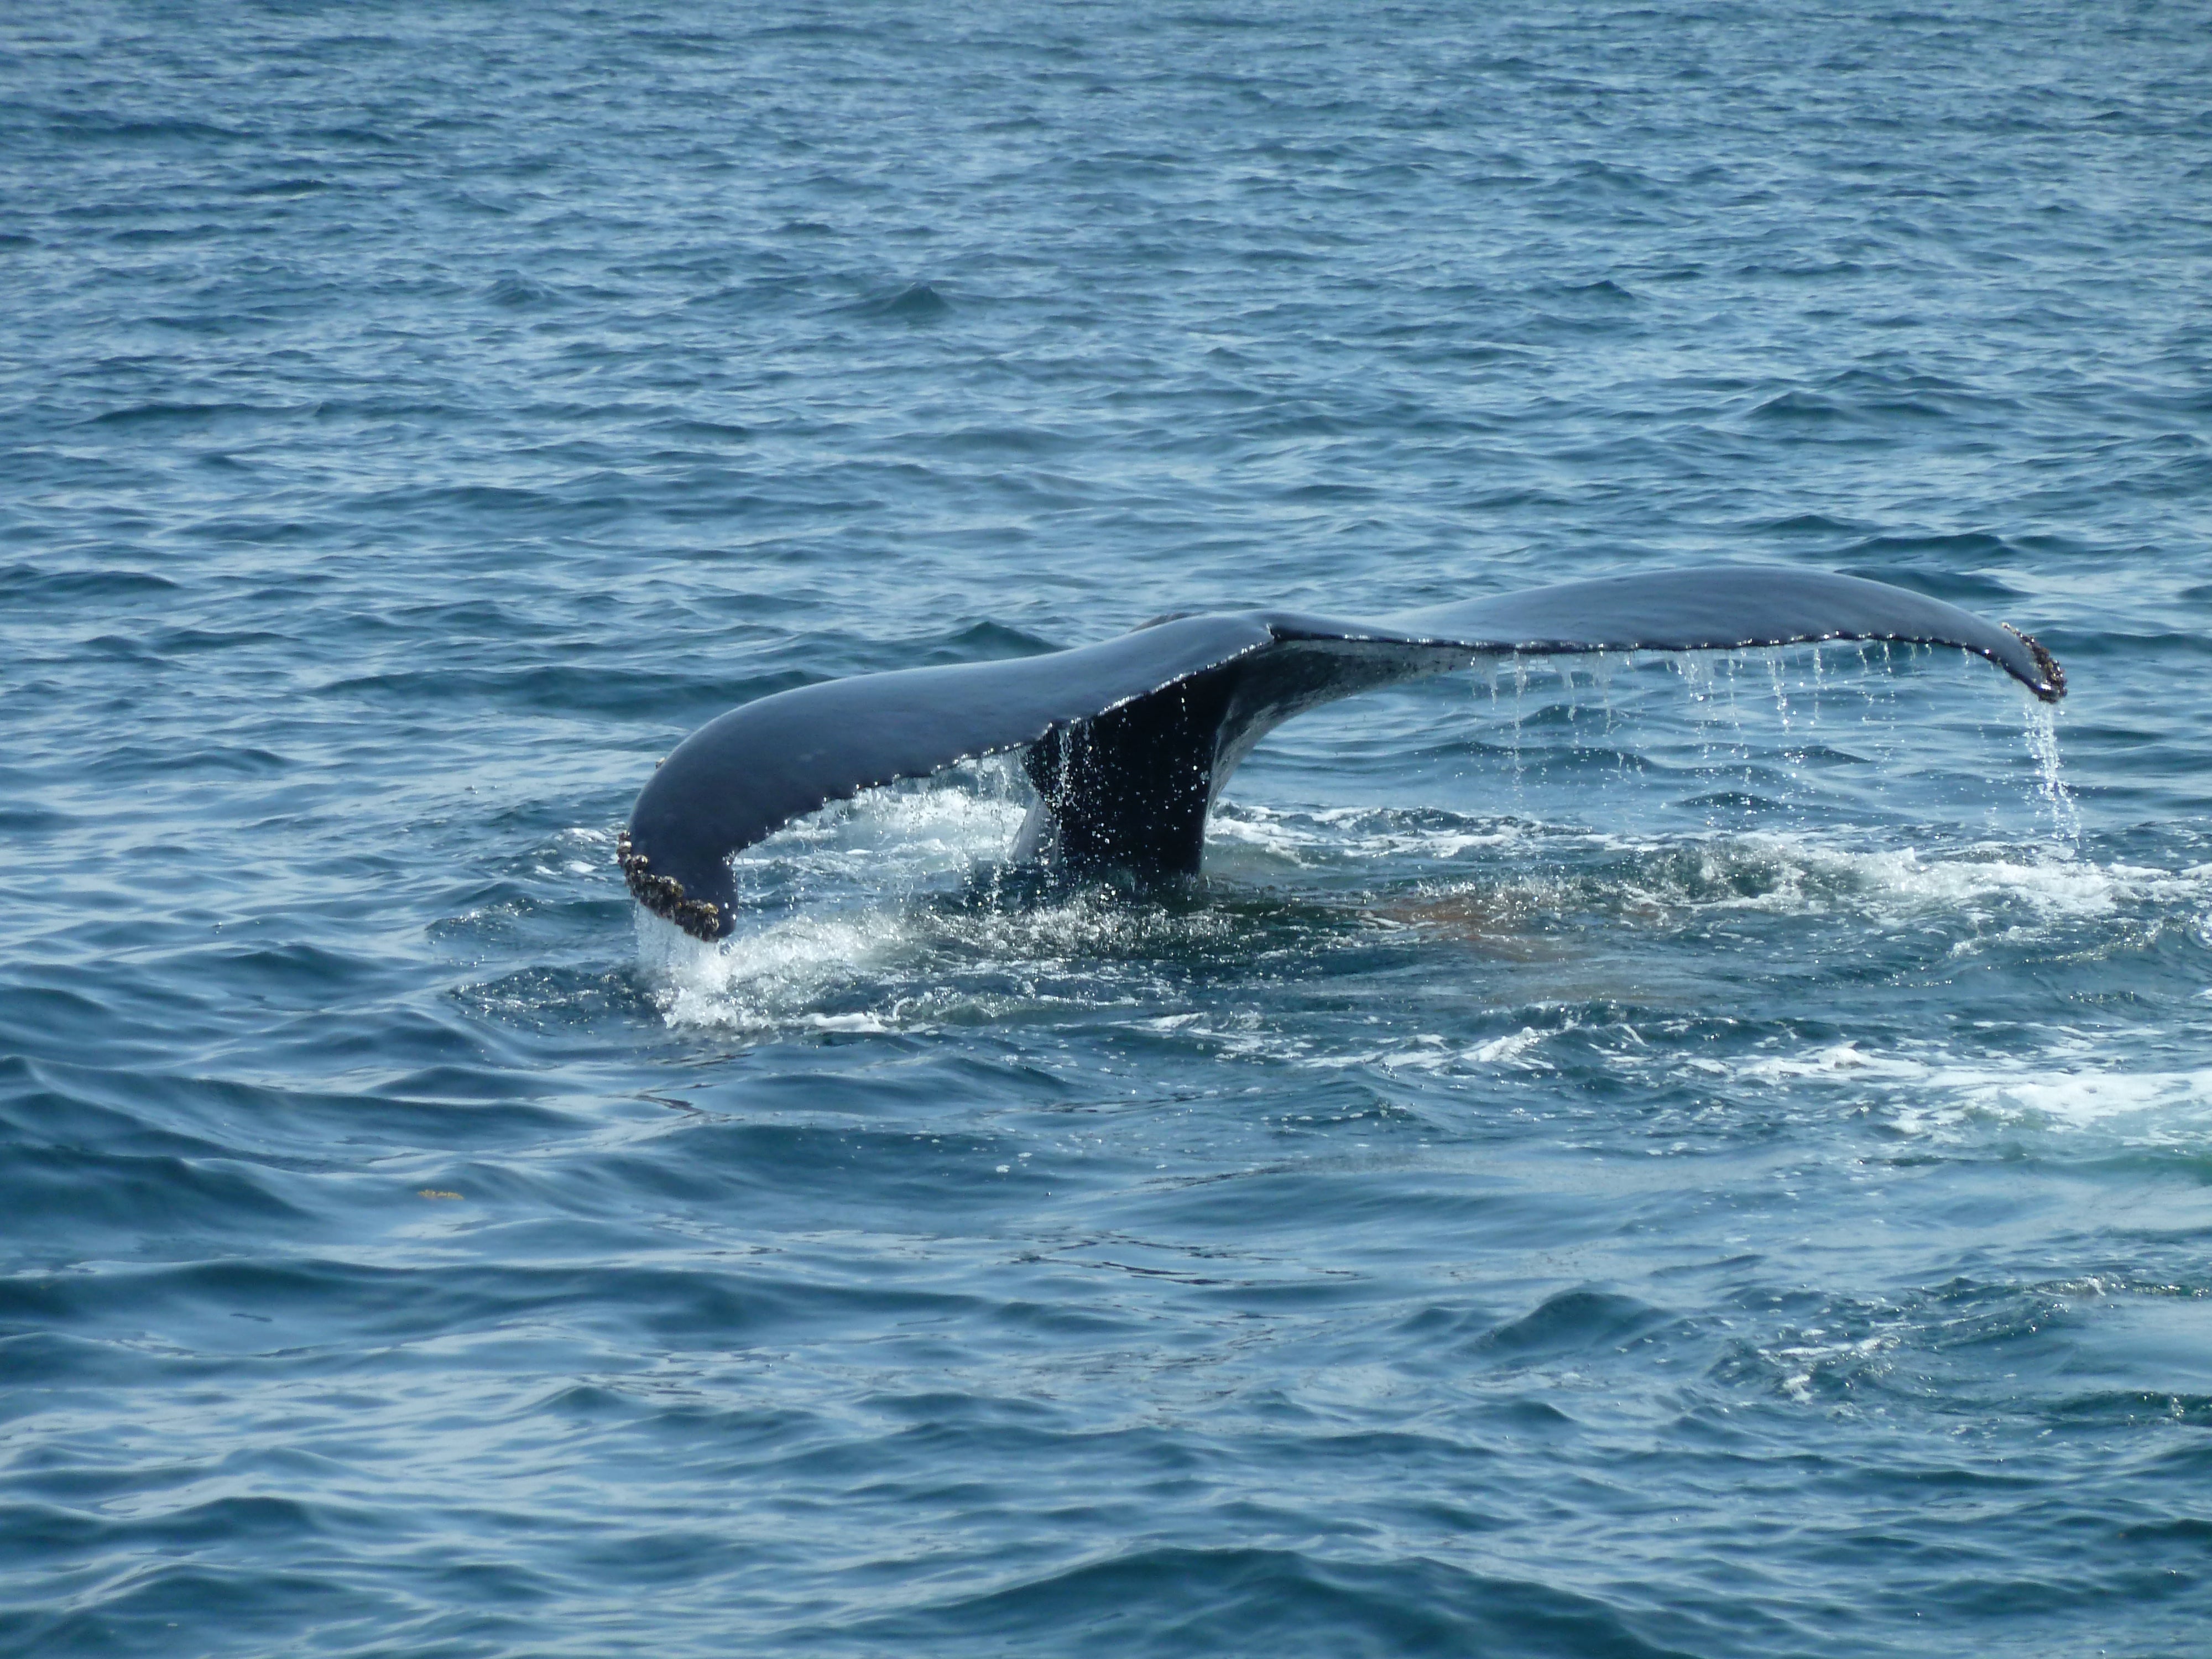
x,y
1630,1156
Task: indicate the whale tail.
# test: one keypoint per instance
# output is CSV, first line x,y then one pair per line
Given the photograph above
x,y
1129,742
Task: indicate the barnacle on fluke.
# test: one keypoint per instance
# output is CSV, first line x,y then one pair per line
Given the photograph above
x,y
2045,663
1129,742
664,894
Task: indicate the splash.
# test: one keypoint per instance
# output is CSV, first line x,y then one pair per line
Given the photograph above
x,y
896,911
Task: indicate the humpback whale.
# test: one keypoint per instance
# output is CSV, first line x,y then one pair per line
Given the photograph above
x,y
1128,742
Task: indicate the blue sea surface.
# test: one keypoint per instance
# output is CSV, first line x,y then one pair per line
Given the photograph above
x,y
1639,1157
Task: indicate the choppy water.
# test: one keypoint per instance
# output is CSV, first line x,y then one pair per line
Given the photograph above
x,y
1708,1161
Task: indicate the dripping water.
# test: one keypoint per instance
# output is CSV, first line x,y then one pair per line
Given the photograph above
x,y
2040,728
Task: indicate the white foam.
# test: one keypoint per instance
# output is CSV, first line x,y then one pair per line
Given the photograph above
x,y
852,919
1838,1061
2073,1081
1506,1050
918,965
1979,883
1349,833
1248,1036
1815,1352
2080,1096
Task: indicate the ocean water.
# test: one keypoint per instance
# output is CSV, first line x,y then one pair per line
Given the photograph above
x,y
1707,1157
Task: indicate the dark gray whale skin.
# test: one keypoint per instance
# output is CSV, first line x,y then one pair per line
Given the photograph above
x,y
1129,741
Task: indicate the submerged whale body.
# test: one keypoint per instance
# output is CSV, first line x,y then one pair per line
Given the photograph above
x,y
1129,741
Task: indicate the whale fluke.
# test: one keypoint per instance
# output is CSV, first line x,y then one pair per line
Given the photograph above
x,y
1129,741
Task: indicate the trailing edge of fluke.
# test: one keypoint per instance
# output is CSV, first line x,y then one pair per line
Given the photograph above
x,y
1129,741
